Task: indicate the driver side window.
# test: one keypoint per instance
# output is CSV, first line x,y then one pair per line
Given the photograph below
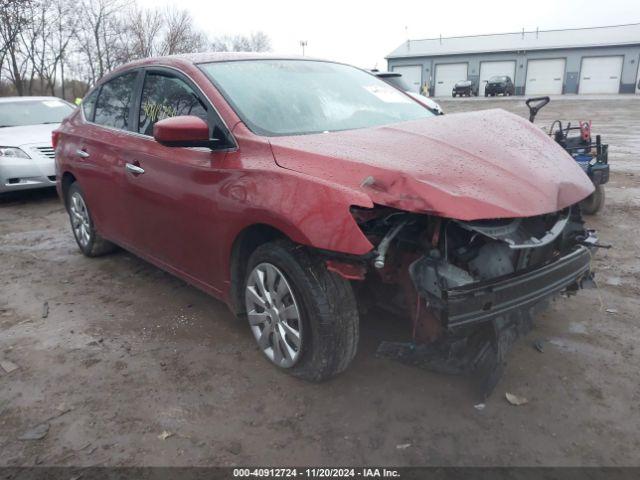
x,y
165,96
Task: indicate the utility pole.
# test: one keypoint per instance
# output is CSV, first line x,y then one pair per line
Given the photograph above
x,y
303,43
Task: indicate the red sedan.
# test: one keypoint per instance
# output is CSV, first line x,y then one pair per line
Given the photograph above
x,y
302,191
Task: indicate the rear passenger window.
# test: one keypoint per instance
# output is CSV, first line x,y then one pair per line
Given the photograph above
x,y
166,96
112,107
89,104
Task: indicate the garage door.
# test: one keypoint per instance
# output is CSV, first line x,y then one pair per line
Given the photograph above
x,y
545,77
600,75
491,69
446,77
412,76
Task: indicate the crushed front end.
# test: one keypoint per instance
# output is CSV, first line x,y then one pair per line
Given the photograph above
x,y
470,288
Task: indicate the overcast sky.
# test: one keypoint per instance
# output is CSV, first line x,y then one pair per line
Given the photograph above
x,y
362,33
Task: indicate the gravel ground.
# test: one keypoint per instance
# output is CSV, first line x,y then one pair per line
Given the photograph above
x,y
127,352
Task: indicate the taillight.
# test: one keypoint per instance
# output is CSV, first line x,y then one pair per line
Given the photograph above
x,y
55,136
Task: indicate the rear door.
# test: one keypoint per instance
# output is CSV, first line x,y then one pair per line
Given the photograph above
x,y
98,153
173,204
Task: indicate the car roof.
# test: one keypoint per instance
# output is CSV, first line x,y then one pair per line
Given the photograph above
x,y
25,99
208,57
190,59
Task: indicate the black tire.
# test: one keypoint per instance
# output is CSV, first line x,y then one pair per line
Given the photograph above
x,y
453,95
486,94
328,307
96,245
594,202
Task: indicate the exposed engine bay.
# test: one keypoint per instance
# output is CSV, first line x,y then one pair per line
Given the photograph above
x,y
470,288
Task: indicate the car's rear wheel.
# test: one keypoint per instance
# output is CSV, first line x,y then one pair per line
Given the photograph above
x,y
304,318
88,239
594,202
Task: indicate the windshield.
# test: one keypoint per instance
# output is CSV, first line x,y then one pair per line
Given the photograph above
x,y
497,79
33,112
295,97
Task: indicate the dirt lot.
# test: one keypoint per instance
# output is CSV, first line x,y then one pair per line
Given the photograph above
x,y
127,352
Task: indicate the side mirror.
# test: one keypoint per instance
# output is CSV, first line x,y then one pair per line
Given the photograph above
x,y
183,131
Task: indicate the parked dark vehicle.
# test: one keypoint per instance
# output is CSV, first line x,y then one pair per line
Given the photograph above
x,y
462,88
500,84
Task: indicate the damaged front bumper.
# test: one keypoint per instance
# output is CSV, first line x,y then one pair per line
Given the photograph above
x,y
484,301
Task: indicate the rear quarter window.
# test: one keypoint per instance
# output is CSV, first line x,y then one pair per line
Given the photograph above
x,y
114,101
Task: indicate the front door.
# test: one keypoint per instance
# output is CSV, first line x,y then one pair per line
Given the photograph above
x,y
172,191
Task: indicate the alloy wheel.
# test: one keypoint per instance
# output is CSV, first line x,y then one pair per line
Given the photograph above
x,y
273,314
80,219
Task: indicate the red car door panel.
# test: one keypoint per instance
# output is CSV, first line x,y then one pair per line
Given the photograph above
x,y
170,193
98,156
172,208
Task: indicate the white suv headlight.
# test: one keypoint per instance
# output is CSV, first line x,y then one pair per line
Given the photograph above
x,y
13,152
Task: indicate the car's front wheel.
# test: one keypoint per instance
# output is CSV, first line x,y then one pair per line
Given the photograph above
x,y
88,239
304,318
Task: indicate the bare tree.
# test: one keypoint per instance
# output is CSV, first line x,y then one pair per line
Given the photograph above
x,y
50,46
260,42
256,42
13,21
100,37
62,31
144,28
180,35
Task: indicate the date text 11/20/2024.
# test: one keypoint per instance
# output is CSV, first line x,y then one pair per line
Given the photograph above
x,y
316,473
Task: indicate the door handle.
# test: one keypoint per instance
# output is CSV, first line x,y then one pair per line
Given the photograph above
x,y
136,170
82,153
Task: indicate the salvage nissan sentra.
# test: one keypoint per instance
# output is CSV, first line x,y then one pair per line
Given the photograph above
x,y
302,191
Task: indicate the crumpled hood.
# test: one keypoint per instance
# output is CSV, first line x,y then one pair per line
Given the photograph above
x,y
468,166
27,134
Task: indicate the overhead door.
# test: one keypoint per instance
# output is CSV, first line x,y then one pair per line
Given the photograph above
x,y
446,77
600,75
412,76
491,69
545,77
